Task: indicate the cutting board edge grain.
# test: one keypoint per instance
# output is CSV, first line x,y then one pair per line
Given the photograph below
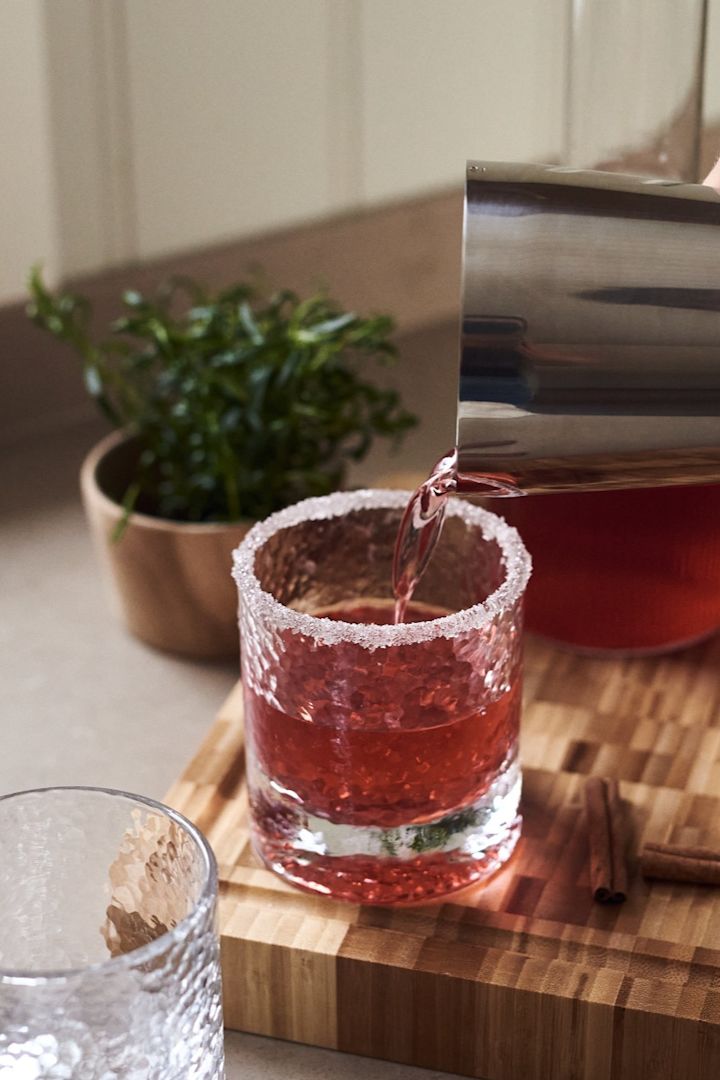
x,y
524,977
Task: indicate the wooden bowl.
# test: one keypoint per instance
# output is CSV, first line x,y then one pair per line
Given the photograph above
x,y
170,581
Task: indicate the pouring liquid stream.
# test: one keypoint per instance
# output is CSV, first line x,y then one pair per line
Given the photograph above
x,y
423,519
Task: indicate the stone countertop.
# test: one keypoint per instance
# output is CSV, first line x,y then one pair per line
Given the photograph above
x,y
83,703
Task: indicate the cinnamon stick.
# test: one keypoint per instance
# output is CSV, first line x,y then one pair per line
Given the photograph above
x,y
674,862
608,840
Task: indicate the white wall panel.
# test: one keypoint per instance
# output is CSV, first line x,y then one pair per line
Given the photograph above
x,y
634,79
27,196
712,64
91,140
446,80
231,115
138,128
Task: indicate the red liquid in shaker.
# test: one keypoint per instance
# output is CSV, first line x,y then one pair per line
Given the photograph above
x,y
626,570
612,570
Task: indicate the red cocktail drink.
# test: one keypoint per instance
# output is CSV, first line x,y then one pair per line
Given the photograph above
x,y
382,759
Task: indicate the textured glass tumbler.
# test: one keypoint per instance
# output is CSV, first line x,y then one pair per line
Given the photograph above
x,y
381,760
109,956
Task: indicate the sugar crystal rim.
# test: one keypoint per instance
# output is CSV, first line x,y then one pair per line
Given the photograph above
x,y
263,605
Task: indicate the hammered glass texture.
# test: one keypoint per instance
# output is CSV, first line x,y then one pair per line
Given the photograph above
x,y
309,567
109,956
381,759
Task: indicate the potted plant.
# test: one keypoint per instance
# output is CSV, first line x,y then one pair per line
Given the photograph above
x,y
228,406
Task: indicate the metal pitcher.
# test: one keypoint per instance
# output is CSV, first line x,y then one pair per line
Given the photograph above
x,y
590,337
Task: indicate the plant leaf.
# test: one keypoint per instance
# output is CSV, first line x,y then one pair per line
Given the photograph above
x,y
241,401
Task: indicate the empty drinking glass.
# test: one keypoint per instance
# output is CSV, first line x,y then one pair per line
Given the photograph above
x,y
109,956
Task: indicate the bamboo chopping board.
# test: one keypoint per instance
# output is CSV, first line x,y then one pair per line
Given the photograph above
x,y
524,978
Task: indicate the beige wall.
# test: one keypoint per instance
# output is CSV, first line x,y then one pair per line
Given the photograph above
x,y
27,192
133,129
142,129
712,65
249,115
634,76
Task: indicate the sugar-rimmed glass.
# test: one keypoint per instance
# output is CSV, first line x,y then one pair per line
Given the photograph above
x,y
109,956
382,759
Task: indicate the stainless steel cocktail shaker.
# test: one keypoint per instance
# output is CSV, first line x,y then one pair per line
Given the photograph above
x,y
590,338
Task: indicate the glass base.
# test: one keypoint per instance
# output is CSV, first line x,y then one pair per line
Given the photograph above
x,y
371,865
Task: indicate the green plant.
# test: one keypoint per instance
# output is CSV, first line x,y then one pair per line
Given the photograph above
x,y
240,403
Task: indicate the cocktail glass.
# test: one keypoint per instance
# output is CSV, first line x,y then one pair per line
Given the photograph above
x,y
382,759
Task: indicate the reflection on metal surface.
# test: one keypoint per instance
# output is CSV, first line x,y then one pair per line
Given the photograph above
x,y
591,330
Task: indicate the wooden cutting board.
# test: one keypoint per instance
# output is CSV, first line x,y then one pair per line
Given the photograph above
x,y
523,978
